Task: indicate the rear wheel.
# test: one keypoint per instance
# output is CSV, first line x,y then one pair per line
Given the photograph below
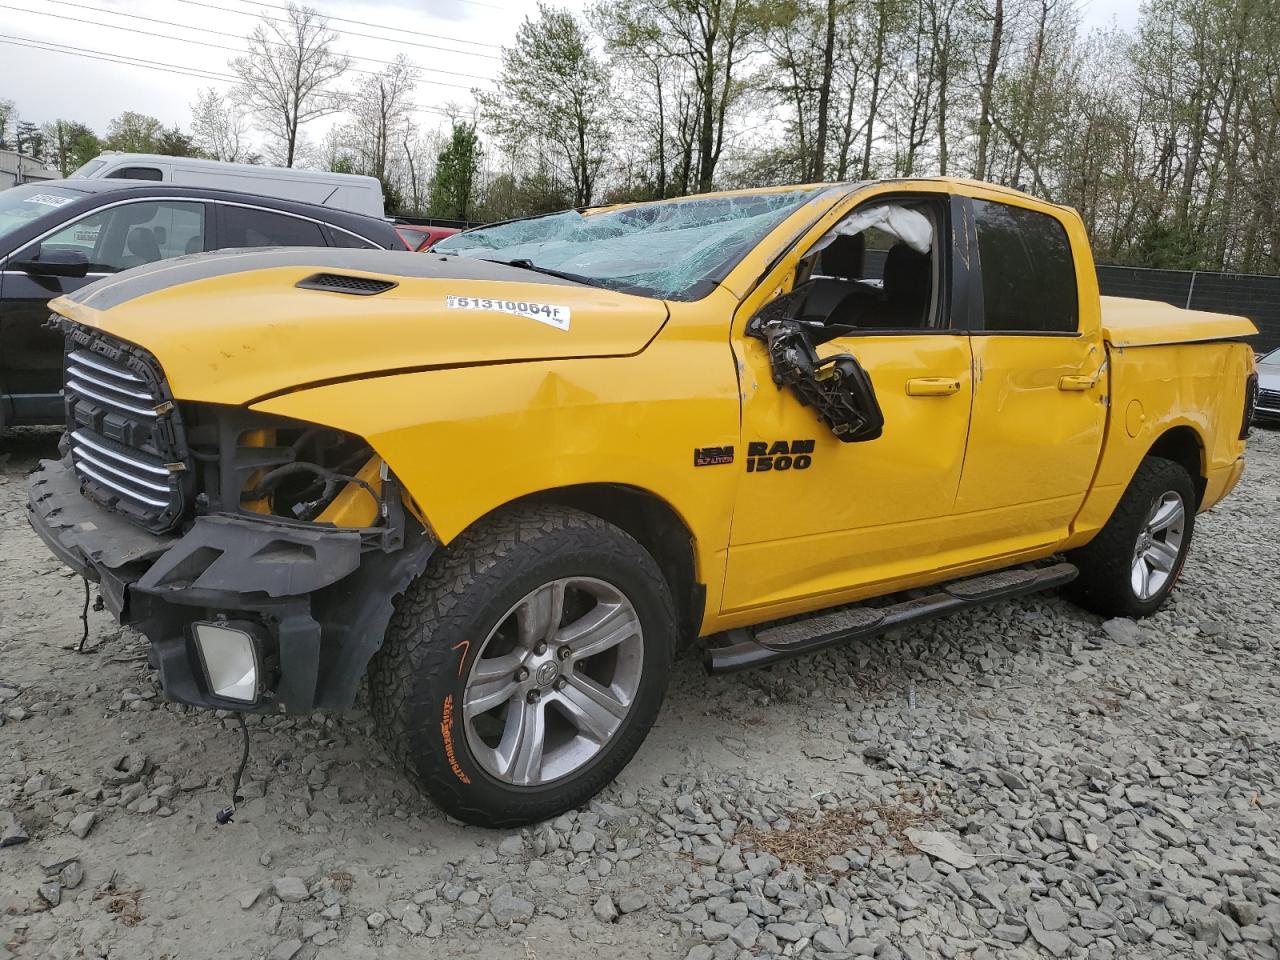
x,y
522,671
1132,565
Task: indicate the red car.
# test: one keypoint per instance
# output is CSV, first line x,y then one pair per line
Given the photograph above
x,y
418,238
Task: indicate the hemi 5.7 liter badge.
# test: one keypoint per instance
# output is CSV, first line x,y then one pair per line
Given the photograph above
x,y
712,456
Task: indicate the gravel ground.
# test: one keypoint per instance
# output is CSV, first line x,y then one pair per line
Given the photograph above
x,y
1024,782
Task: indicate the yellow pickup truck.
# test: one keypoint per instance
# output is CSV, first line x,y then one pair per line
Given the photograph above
x,y
505,479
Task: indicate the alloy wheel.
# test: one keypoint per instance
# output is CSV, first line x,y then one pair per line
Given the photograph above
x,y
553,681
1159,544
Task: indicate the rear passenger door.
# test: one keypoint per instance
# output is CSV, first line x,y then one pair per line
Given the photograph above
x,y
256,227
1040,384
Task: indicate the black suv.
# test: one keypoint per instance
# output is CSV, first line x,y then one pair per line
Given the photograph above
x,y
55,237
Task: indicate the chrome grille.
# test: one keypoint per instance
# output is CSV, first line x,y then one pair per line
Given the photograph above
x,y
123,432
1269,399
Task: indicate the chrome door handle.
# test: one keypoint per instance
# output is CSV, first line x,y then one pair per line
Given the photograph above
x,y
932,386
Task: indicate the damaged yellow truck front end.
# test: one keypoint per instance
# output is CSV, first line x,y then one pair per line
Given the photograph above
x,y
503,479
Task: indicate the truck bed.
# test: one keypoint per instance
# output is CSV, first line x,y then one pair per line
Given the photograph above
x,y
1128,322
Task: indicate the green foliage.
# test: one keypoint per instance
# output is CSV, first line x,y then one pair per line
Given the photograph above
x,y
553,98
453,188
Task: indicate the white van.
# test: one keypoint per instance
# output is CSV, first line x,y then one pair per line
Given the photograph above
x,y
341,191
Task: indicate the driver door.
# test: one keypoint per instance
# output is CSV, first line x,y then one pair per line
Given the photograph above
x,y
819,521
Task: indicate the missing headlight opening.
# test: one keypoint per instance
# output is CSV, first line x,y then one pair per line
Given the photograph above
x,y
283,468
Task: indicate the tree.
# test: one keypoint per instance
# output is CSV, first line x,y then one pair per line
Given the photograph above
x,y
133,133
550,73
71,144
453,188
382,103
29,139
712,39
219,127
8,113
286,75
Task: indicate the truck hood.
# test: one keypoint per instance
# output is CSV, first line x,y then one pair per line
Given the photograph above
x,y
1146,323
235,326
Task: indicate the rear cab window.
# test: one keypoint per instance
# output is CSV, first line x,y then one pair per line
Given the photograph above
x,y
248,227
1028,273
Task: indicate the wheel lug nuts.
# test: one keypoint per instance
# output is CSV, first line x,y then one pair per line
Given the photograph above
x,y
540,649
522,675
564,653
561,683
534,696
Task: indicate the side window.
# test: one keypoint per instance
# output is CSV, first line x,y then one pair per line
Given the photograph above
x,y
878,269
132,234
243,227
135,173
341,238
1028,275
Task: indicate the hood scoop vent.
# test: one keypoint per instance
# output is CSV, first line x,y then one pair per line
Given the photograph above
x,y
343,283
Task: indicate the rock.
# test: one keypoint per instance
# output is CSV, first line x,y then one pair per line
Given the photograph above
x,y
12,832
412,921
508,909
71,874
249,898
375,920
1123,630
1010,932
512,846
582,842
1056,943
290,889
50,892
632,900
285,950
827,941
82,823
1048,915
1012,780
605,911
941,847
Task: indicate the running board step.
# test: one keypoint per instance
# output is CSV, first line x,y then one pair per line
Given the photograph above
x,y
754,647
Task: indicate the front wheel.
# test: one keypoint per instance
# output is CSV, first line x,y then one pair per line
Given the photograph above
x,y
522,671
1131,566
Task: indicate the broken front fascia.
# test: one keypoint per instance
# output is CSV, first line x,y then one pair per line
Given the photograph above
x,y
317,598
673,249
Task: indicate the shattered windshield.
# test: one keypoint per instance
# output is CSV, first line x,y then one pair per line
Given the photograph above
x,y
673,249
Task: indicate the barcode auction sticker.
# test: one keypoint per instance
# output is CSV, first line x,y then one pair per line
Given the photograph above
x,y
47,199
552,314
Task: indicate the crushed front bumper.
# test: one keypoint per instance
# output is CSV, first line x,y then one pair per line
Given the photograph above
x,y
317,598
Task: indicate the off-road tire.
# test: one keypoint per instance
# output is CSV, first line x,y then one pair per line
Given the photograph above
x,y
417,679
1104,585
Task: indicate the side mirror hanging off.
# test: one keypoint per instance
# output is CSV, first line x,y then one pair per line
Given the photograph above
x,y
837,387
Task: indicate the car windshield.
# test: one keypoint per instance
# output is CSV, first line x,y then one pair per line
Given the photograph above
x,y
673,249
1271,359
88,169
20,206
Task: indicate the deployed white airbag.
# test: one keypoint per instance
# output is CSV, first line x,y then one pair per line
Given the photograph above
x,y
910,226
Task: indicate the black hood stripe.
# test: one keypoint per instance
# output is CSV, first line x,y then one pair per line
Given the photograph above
x,y
154,277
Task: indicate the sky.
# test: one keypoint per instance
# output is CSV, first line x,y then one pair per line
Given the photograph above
x,y
455,42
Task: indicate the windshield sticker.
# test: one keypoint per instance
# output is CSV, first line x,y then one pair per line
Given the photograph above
x,y
47,199
552,314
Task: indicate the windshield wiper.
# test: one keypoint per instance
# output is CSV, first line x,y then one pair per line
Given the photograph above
x,y
523,263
